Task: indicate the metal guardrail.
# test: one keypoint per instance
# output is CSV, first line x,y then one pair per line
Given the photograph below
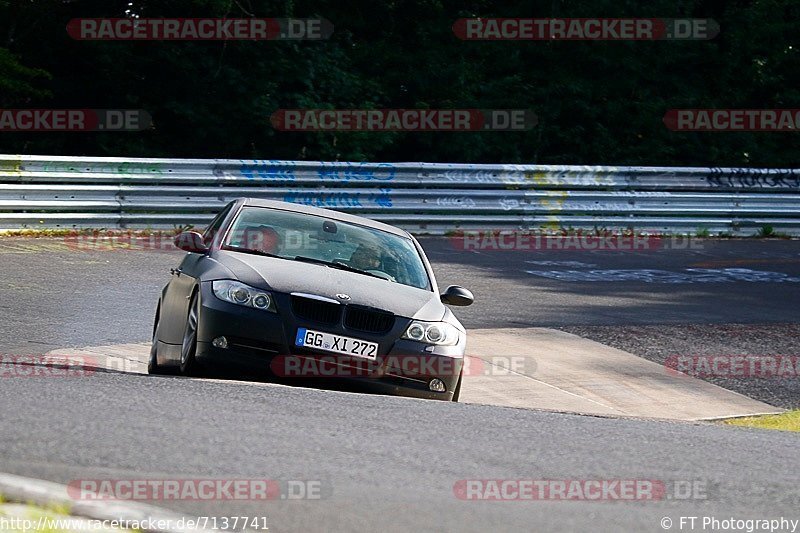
x,y
73,192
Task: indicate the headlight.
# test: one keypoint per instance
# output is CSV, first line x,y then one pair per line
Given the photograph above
x,y
241,294
440,333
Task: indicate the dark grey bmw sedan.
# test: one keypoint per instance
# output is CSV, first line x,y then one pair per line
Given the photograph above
x,y
302,292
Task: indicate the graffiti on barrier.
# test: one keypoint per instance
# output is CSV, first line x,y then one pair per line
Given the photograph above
x,y
638,194
119,168
357,172
333,199
11,165
509,203
472,176
753,177
267,170
381,198
455,201
571,177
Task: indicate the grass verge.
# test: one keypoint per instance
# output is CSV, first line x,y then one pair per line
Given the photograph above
x,y
789,421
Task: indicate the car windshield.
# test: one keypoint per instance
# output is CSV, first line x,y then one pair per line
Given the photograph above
x,y
316,239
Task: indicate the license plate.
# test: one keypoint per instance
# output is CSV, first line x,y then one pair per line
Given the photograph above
x,y
319,340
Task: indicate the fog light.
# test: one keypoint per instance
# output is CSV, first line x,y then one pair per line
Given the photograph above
x,y
437,385
220,342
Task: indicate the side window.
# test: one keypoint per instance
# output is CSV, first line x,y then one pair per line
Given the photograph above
x,y
213,227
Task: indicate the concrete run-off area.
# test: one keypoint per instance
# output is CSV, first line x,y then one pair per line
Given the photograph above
x,y
541,368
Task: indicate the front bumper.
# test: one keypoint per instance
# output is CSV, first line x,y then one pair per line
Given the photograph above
x,y
260,343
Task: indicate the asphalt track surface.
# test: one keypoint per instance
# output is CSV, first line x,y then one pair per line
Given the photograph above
x,y
53,297
383,462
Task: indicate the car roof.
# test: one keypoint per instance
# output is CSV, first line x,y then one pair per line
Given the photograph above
x,y
327,213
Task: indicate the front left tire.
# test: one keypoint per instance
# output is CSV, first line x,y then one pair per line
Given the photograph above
x,y
457,392
152,363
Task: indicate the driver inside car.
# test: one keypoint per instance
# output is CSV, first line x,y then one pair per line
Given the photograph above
x,y
366,257
261,239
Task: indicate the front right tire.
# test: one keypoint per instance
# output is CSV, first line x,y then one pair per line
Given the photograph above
x,y
189,364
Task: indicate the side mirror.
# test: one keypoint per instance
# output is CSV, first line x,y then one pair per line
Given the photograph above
x,y
455,295
191,241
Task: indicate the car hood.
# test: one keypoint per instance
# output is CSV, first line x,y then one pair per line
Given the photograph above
x,y
286,276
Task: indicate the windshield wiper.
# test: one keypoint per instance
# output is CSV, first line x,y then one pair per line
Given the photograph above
x,y
336,264
250,251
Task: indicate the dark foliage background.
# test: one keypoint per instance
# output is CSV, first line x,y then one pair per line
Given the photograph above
x,y
597,102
